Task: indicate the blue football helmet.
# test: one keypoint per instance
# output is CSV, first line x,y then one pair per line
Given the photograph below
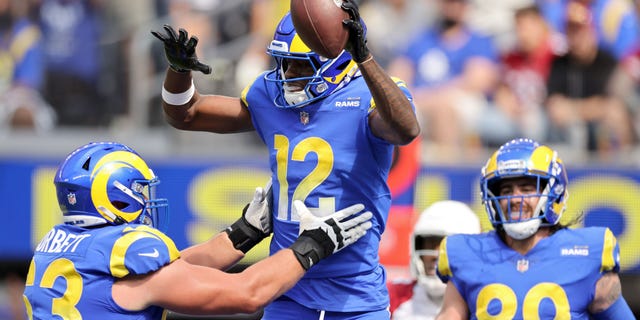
x,y
525,158
329,75
107,183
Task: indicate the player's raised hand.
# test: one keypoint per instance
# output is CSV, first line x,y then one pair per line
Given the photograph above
x,y
258,212
180,50
320,237
357,43
255,223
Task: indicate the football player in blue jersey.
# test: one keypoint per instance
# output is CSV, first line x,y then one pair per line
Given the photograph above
x,y
110,260
531,266
330,126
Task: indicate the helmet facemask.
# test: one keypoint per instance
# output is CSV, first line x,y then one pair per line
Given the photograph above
x,y
328,75
154,211
524,159
514,221
314,86
427,246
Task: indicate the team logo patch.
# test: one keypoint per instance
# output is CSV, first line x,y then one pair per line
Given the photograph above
x,y
523,265
350,102
304,117
575,251
71,198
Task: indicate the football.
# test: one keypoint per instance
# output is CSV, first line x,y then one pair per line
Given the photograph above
x,y
319,25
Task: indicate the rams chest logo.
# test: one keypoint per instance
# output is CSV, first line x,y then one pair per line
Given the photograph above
x,y
348,103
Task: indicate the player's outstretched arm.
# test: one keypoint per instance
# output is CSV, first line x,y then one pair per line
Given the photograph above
x,y
184,107
393,119
194,289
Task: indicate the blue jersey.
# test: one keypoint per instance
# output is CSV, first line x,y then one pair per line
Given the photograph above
x,y
73,270
325,155
554,280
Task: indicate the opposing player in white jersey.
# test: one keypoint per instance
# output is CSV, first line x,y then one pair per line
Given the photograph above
x,y
420,297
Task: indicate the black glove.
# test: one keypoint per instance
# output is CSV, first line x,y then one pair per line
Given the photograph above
x,y
319,237
255,223
357,43
181,50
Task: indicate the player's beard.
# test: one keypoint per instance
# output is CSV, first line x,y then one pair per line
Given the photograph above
x,y
520,211
519,224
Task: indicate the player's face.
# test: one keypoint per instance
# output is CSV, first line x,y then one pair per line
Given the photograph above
x,y
429,261
294,68
522,191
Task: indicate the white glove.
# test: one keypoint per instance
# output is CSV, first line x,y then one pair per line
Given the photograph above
x,y
320,237
258,213
255,223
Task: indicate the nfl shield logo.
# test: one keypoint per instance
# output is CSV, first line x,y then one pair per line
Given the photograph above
x,y
523,265
71,198
304,117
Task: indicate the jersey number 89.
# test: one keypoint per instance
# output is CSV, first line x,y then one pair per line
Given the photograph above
x,y
530,304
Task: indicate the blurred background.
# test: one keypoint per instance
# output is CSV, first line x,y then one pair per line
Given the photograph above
x,y
563,72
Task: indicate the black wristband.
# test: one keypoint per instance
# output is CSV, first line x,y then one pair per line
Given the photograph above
x,y
311,247
178,70
243,235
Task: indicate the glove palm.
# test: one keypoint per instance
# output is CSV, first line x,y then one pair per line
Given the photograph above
x,y
258,211
180,50
255,223
357,43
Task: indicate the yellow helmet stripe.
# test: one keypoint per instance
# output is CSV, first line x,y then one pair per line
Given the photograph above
x,y
126,157
541,159
100,176
297,45
492,164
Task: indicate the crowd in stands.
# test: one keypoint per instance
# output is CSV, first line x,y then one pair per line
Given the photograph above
x,y
563,72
